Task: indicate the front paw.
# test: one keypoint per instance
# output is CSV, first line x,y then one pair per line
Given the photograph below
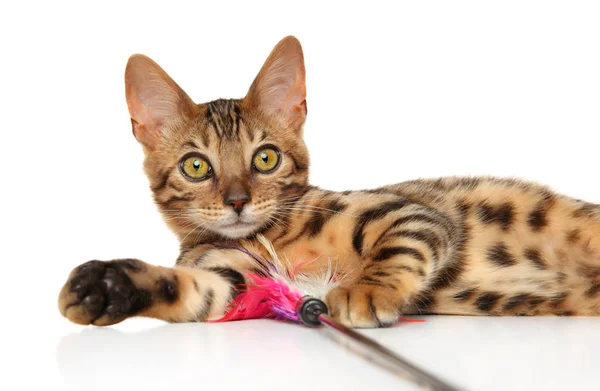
x,y
102,293
365,306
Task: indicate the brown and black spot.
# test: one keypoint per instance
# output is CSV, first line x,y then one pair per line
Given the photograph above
x,y
535,257
535,301
593,290
168,288
558,299
588,210
487,301
500,256
502,215
588,271
463,207
573,236
516,301
538,217
465,295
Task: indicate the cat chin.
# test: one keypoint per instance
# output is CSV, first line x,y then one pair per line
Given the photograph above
x,y
237,231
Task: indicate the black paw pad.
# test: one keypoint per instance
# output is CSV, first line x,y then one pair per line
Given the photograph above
x,y
104,288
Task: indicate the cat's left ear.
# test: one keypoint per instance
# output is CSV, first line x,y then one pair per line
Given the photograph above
x,y
279,89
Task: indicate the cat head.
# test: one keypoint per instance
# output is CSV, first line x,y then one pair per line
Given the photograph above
x,y
225,169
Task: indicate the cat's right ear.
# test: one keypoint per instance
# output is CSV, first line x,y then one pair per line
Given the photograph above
x,y
153,99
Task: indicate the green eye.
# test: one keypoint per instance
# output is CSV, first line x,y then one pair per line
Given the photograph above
x,y
266,159
195,167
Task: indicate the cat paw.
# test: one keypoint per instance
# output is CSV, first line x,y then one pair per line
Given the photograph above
x,y
102,293
365,306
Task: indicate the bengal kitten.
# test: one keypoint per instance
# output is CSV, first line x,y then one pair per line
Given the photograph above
x,y
224,171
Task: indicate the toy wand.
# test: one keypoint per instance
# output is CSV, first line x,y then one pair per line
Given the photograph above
x,y
313,312
280,292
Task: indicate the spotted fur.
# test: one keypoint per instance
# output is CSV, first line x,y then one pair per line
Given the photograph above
x,y
468,246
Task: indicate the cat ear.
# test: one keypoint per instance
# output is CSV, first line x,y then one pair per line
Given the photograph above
x,y
153,98
280,87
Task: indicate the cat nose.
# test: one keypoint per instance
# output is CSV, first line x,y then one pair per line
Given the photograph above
x,y
237,195
238,204
237,201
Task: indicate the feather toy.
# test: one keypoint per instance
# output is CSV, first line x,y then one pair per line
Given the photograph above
x,y
279,291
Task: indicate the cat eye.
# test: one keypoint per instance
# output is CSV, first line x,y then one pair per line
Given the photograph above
x,y
195,167
266,159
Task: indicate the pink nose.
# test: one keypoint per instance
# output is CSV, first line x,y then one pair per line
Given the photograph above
x,y
237,204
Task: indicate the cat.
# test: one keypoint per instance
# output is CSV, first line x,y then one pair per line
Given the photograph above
x,y
227,170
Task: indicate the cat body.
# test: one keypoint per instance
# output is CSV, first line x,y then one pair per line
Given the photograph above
x,y
224,171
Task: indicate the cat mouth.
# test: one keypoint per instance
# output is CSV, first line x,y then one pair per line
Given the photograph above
x,y
237,229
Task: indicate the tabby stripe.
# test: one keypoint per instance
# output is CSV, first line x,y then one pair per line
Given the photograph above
x,y
190,144
175,199
426,236
388,252
297,166
211,121
294,187
205,139
420,217
287,215
163,181
238,119
373,215
316,223
184,251
209,297
373,311
234,277
452,268
318,218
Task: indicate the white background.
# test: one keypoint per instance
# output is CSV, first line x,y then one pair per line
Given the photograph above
x,y
396,91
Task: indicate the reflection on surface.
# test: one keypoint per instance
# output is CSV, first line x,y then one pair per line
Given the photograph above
x,y
485,353
249,354
163,355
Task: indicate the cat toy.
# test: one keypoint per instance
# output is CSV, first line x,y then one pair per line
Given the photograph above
x,y
278,291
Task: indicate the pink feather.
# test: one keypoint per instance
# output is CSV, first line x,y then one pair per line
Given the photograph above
x,y
264,297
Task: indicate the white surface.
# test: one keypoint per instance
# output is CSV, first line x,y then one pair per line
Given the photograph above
x,y
411,89
472,353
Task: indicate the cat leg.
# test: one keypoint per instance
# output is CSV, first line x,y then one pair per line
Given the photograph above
x,y
197,289
400,253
